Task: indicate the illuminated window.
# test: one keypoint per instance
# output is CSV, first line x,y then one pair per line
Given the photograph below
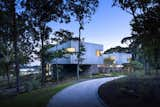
x,y
98,53
113,57
47,67
71,50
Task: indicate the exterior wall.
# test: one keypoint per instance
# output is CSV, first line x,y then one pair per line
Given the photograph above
x,y
67,59
89,55
60,46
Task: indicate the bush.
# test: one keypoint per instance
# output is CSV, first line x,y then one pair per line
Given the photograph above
x,y
137,65
31,85
84,67
139,73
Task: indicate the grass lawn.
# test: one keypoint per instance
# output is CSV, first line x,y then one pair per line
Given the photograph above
x,y
36,98
131,91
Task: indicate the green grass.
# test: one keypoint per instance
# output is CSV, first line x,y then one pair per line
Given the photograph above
x,y
36,98
137,73
103,75
100,75
118,73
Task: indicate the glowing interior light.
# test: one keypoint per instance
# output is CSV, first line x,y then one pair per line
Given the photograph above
x,y
98,53
71,50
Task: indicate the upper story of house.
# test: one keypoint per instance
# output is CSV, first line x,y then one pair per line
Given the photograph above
x,y
92,53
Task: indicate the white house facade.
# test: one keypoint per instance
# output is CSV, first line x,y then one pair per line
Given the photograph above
x,y
92,54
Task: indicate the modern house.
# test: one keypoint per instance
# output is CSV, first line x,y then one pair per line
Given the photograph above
x,y
92,54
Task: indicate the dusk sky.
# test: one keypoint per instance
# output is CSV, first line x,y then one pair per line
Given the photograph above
x,y
108,26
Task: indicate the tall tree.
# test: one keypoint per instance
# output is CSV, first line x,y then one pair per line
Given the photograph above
x,y
42,12
6,50
14,28
61,36
15,39
10,8
6,61
145,28
82,10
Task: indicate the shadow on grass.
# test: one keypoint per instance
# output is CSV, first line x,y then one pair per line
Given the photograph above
x,y
132,91
36,98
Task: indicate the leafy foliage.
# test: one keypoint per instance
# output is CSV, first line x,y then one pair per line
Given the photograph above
x,y
144,40
117,49
62,36
24,29
15,38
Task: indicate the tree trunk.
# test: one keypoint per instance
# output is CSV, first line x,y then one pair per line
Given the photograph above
x,y
8,76
16,66
146,67
42,61
52,72
78,70
78,57
57,73
156,59
15,36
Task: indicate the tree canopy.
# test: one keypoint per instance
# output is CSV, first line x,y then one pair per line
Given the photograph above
x,y
118,49
145,36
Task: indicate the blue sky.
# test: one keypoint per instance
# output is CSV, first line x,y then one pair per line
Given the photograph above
x,y
108,25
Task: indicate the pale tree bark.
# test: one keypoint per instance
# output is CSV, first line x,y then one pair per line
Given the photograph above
x,y
78,56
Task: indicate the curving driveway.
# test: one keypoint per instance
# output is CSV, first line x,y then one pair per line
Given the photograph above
x,y
83,94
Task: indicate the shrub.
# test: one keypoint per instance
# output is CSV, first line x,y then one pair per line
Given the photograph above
x,y
137,65
31,85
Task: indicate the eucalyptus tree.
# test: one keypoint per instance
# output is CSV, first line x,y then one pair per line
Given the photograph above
x,y
16,37
53,56
82,10
118,49
149,36
50,56
145,28
41,12
24,43
10,13
6,50
60,37
6,61
13,15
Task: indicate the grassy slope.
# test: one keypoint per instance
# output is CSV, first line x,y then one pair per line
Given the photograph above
x,y
37,98
132,92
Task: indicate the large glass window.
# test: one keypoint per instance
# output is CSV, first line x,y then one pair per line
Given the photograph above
x,y
71,50
98,53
